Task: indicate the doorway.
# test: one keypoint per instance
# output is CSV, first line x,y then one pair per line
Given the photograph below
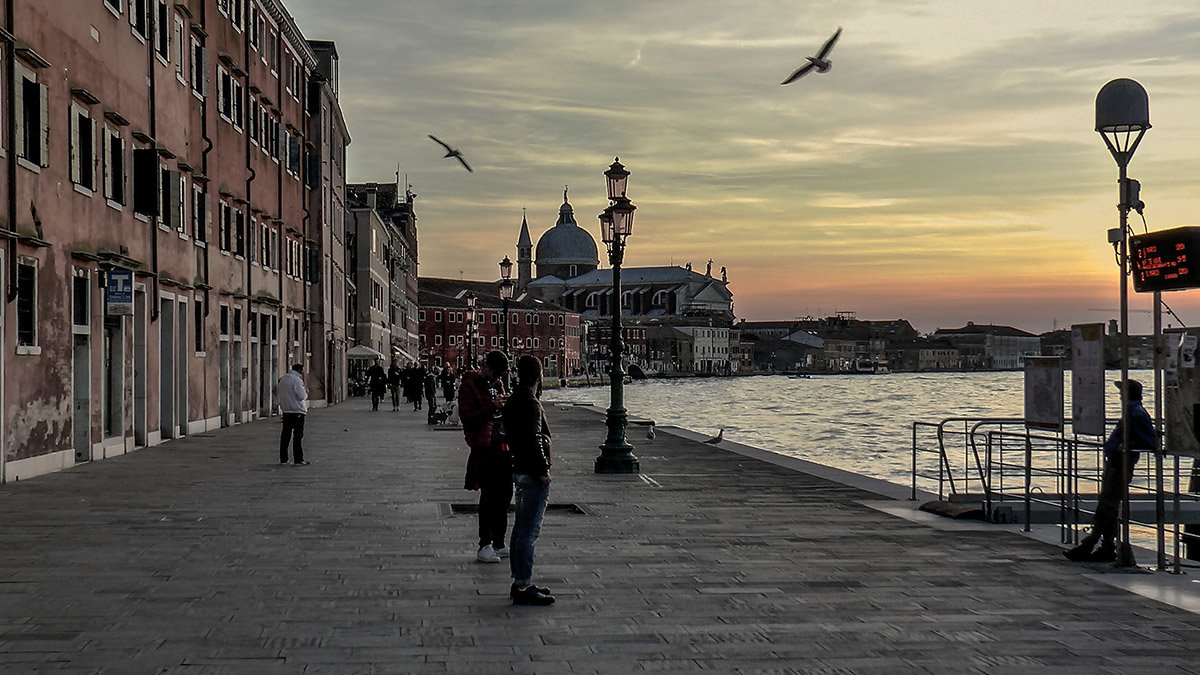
x,y
166,367
139,369
81,420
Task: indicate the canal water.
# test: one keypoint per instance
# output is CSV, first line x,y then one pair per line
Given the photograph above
x,y
859,423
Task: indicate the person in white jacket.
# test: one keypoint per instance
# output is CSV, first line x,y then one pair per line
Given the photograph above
x,y
293,403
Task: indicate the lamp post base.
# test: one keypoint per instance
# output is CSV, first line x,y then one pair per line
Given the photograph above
x,y
617,460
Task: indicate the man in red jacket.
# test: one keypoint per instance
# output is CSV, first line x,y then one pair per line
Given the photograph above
x,y
489,468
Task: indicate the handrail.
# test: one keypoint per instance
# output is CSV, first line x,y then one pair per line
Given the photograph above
x,y
946,473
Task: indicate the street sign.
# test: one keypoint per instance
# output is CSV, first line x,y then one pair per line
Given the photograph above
x,y
1166,260
119,292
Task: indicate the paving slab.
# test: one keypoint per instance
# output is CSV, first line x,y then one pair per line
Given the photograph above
x,y
205,555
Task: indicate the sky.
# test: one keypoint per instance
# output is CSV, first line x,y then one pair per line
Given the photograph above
x,y
945,170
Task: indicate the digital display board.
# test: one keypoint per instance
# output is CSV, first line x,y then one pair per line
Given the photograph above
x,y
1166,260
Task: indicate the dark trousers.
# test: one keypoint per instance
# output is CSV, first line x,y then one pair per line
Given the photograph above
x,y
293,432
1108,504
494,497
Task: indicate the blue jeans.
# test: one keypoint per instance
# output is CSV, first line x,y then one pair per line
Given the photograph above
x,y
527,523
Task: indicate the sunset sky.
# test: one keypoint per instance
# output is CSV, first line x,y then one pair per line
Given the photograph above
x,y
945,170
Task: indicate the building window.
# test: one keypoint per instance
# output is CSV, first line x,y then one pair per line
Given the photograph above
x,y
437,340
82,147
170,208
181,50
139,17
199,213
179,202
115,6
27,270
114,166
253,26
437,316
224,94
198,323
224,226
420,315
79,299
162,32
199,67
33,123
239,232
236,13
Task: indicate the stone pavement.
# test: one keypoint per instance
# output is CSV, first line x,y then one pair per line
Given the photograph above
x,y
205,555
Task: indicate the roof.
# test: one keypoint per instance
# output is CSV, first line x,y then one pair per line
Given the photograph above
x,y
984,329
668,274
436,292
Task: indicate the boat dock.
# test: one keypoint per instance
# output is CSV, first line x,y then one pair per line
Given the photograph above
x,y
206,555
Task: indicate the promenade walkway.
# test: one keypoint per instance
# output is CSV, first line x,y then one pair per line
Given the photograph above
x,y
205,555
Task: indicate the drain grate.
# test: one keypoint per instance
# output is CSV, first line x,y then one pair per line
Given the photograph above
x,y
569,508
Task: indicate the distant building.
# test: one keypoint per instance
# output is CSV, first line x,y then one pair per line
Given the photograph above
x,y
923,354
383,228
699,306
991,347
552,334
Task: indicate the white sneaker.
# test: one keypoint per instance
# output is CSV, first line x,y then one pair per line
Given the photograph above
x,y
487,555
502,551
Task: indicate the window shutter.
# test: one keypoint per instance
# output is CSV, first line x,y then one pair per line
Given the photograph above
x,y
18,115
205,73
73,138
106,153
44,135
145,181
172,193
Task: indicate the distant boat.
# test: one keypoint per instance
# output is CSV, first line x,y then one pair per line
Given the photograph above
x,y
800,377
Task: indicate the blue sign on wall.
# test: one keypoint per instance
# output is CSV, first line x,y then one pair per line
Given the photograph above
x,y
119,292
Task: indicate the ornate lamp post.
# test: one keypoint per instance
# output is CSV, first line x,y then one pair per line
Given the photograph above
x,y
616,223
1122,118
506,292
470,297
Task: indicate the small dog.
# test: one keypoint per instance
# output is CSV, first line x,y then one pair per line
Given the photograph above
x,y
440,415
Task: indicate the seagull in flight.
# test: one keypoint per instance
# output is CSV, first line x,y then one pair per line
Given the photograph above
x,y
819,61
451,152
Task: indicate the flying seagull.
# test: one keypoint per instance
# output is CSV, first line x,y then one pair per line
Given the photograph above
x,y
819,61
451,152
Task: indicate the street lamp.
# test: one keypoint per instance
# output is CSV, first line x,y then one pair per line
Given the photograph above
x,y
470,330
506,292
1122,118
616,223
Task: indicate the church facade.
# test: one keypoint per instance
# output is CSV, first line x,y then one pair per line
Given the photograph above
x,y
673,318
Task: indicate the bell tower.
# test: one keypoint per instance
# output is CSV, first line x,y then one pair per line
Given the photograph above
x,y
524,255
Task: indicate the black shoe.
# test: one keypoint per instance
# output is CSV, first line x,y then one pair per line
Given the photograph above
x,y
283,461
530,595
302,462
1106,553
1080,553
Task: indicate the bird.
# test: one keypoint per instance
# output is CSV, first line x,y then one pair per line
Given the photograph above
x,y
819,61
451,152
650,432
718,438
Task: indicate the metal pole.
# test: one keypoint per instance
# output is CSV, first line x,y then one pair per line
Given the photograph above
x,y
1159,456
1125,550
616,455
506,343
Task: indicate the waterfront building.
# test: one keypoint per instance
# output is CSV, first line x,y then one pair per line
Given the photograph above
x,y
383,228
923,354
163,239
698,305
552,334
991,347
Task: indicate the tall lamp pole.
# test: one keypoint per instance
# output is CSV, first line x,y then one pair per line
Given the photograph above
x,y
1122,118
616,223
506,292
470,330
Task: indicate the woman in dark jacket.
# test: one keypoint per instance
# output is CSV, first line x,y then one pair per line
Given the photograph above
x,y
528,437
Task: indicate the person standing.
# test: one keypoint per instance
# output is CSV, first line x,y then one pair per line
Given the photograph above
x,y
394,377
293,403
430,387
489,469
377,383
528,437
1117,473
447,378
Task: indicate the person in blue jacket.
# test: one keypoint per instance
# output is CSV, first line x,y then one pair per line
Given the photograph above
x,y
1117,474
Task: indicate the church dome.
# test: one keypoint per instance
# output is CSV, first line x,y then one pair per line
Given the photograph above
x,y
566,243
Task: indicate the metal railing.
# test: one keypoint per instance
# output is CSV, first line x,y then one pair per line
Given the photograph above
x,y
999,460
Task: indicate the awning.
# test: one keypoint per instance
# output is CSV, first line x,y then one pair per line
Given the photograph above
x,y
362,352
398,352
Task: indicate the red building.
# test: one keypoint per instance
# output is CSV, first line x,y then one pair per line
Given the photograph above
x,y
168,208
546,331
